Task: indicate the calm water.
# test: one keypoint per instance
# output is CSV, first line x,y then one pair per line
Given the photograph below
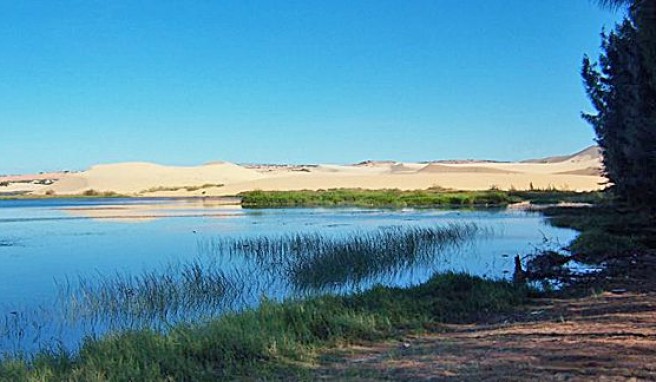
x,y
44,243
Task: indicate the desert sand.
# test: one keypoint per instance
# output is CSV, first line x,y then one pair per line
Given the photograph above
x,y
578,172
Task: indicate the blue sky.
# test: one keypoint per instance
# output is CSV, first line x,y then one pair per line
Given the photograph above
x,y
187,82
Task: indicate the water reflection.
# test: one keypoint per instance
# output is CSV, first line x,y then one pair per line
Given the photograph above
x,y
139,213
83,267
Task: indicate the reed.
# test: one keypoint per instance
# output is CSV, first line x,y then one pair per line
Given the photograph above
x,y
315,261
291,266
275,341
181,291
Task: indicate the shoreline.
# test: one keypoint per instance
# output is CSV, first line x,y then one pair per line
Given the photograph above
x,y
521,316
579,172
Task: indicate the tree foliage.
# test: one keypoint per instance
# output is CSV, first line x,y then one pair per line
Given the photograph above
x,y
622,88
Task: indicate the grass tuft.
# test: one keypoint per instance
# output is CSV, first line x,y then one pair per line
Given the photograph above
x,y
275,340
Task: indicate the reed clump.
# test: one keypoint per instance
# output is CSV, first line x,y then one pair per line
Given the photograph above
x,y
374,198
231,274
316,261
179,292
273,341
196,321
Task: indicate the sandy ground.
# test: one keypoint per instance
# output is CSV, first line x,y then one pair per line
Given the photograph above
x,y
601,338
580,172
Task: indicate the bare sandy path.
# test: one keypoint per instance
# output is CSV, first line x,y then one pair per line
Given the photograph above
x,y
601,338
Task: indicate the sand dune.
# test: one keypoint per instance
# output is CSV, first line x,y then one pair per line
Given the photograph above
x,y
136,178
590,171
443,168
456,181
592,152
581,171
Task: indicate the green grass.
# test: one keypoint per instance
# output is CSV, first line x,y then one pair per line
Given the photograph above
x,y
373,198
617,239
274,341
606,230
555,196
311,262
418,198
300,264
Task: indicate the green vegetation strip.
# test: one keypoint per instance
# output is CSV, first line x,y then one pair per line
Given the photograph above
x,y
419,198
606,230
276,340
372,198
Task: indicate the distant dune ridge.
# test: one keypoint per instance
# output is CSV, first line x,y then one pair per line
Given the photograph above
x,y
462,168
589,153
131,178
581,171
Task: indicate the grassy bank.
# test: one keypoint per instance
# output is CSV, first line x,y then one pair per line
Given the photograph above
x,y
419,198
276,340
606,231
617,239
556,196
373,198
205,285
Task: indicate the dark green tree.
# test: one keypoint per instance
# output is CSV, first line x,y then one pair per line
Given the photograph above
x,y
622,88
643,13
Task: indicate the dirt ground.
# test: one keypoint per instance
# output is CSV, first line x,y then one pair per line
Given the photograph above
x,y
607,337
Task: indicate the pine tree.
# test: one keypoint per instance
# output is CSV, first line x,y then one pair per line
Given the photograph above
x,y
622,88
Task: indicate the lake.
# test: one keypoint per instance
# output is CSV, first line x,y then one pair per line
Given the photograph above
x,y
75,267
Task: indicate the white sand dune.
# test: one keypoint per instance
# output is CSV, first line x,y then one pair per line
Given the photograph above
x,y
135,178
579,172
457,168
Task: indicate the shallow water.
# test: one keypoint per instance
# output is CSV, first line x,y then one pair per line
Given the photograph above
x,y
44,243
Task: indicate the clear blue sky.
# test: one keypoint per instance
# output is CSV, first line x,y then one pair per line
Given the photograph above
x,y
186,82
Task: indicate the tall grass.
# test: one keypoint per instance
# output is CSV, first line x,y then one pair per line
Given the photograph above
x,y
315,261
213,284
389,251
233,275
178,292
274,341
